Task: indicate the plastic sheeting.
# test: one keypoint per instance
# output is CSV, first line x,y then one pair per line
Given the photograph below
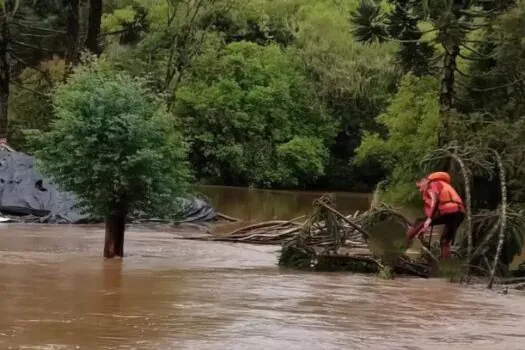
x,y
25,193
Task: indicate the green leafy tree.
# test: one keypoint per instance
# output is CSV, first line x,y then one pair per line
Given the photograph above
x,y
113,145
245,109
451,26
412,122
354,80
30,106
495,82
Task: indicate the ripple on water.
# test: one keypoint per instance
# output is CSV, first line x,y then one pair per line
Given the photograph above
x,y
57,293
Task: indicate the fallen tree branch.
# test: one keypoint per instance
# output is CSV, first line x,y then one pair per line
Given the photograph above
x,y
427,251
228,218
353,225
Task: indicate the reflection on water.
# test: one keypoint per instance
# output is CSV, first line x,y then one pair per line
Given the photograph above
x,y
259,205
56,292
254,205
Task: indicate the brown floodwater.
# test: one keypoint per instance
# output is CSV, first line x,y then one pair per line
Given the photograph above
x,y
56,292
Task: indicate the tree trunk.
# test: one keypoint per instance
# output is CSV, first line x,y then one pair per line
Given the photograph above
x,y
72,30
4,76
94,21
446,97
115,227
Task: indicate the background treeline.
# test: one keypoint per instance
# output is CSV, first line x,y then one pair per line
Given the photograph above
x,y
336,94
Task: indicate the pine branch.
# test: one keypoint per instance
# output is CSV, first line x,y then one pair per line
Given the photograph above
x,y
46,30
479,14
33,35
474,51
28,46
471,58
466,75
497,87
400,40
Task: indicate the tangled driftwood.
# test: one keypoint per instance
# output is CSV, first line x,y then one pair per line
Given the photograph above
x,y
329,240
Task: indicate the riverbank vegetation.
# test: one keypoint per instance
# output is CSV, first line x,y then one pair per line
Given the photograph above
x,y
304,93
291,94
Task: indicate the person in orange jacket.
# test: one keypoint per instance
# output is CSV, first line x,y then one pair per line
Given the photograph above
x,y
442,206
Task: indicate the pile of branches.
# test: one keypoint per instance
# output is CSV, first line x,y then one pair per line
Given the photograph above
x,y
329,240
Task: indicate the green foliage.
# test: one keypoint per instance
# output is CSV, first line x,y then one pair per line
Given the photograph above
x,y
118,19
339,63
302,159
30,105
112,142
252,118
496,81
411,120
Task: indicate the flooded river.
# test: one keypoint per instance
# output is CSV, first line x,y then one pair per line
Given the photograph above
x,y
56,292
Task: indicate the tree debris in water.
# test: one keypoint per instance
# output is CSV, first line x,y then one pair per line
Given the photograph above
x,y
329,240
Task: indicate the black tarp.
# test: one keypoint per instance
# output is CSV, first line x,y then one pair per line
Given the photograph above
x,y
25,193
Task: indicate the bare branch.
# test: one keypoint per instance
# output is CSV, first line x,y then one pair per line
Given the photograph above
x,y
28,89
29,65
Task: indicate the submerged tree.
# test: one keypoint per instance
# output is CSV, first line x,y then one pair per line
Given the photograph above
x,y
113,145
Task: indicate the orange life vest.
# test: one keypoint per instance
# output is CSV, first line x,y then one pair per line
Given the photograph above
x,y
449,202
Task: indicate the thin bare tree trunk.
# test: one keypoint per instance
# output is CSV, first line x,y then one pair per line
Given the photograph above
x,y
503,220
72,31
446,96
95,19
4,76
468,203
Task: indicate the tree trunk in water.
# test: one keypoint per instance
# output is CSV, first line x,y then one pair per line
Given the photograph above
x,y
72,25
94,21
446,97
115,227
4,75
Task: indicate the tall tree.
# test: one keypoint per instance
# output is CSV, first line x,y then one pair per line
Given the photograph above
x,y
72,31
124,154
451,23
25,39
4,69
94,22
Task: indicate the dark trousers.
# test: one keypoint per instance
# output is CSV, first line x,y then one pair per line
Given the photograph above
x,y
451,223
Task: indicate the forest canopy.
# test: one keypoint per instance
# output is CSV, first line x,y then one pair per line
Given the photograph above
x,y
290,94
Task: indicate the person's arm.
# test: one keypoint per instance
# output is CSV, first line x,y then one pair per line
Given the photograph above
x,y
433,206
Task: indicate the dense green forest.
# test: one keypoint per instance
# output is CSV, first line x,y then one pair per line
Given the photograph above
x,y
331,94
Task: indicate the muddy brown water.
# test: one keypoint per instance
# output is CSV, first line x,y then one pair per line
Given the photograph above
x,y
56,292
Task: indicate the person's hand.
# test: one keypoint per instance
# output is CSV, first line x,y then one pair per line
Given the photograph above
x,y
427,224
425,227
